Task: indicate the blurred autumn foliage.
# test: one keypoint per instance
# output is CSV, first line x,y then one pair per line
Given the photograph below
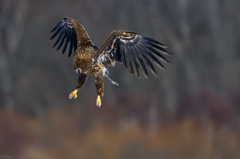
x,y
65,135
191,111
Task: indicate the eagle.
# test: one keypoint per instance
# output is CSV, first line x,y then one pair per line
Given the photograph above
x,y
128,48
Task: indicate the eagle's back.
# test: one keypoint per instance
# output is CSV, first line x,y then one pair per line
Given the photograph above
x,y
85,59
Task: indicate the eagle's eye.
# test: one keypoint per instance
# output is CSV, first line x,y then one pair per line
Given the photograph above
x,y
78,70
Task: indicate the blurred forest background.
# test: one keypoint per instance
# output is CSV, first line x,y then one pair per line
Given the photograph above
x,y
191,111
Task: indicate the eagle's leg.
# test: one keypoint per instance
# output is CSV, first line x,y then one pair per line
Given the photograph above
x,y
111,80
100,88
81,80
106,74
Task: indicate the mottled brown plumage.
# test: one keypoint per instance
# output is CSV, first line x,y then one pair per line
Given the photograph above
x,y
128,48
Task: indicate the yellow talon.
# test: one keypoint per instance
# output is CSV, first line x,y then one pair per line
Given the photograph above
x,y
98,103
73,95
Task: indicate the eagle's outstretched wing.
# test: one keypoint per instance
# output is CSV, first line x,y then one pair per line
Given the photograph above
x,y
133,51
70,31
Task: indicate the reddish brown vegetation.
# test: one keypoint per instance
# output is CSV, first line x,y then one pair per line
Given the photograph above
x,y
61,134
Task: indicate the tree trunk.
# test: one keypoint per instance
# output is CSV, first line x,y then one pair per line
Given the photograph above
x,y
12,19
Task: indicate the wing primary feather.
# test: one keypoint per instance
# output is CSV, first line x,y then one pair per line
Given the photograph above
x,y
149,63
56,33
66,43
152,68
123,58
70,31
131,61
164,51
154,41
164,59
134,52
59,38
116,52
57,26
137,71
62,41
134,59
71,44
155,60
70,49
134,56
140,59
128,61
144,69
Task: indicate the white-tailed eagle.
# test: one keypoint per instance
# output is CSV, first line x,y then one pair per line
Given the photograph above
x,y
128,48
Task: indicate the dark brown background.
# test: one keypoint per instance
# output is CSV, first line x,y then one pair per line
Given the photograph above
x,y
191,111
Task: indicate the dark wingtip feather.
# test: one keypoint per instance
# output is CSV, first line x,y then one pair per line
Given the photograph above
x,y
135,62
67,34
155,42
152,50
145,54
150,65
67,41
56,33
170,54
70,50
57,26
71,46
142,65
129,63
123,58
136,68
155,60
164,51
144,69
59,38
62,41
65,45
148,53
75,40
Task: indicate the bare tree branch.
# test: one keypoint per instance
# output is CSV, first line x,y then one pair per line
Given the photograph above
x,y
12,20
